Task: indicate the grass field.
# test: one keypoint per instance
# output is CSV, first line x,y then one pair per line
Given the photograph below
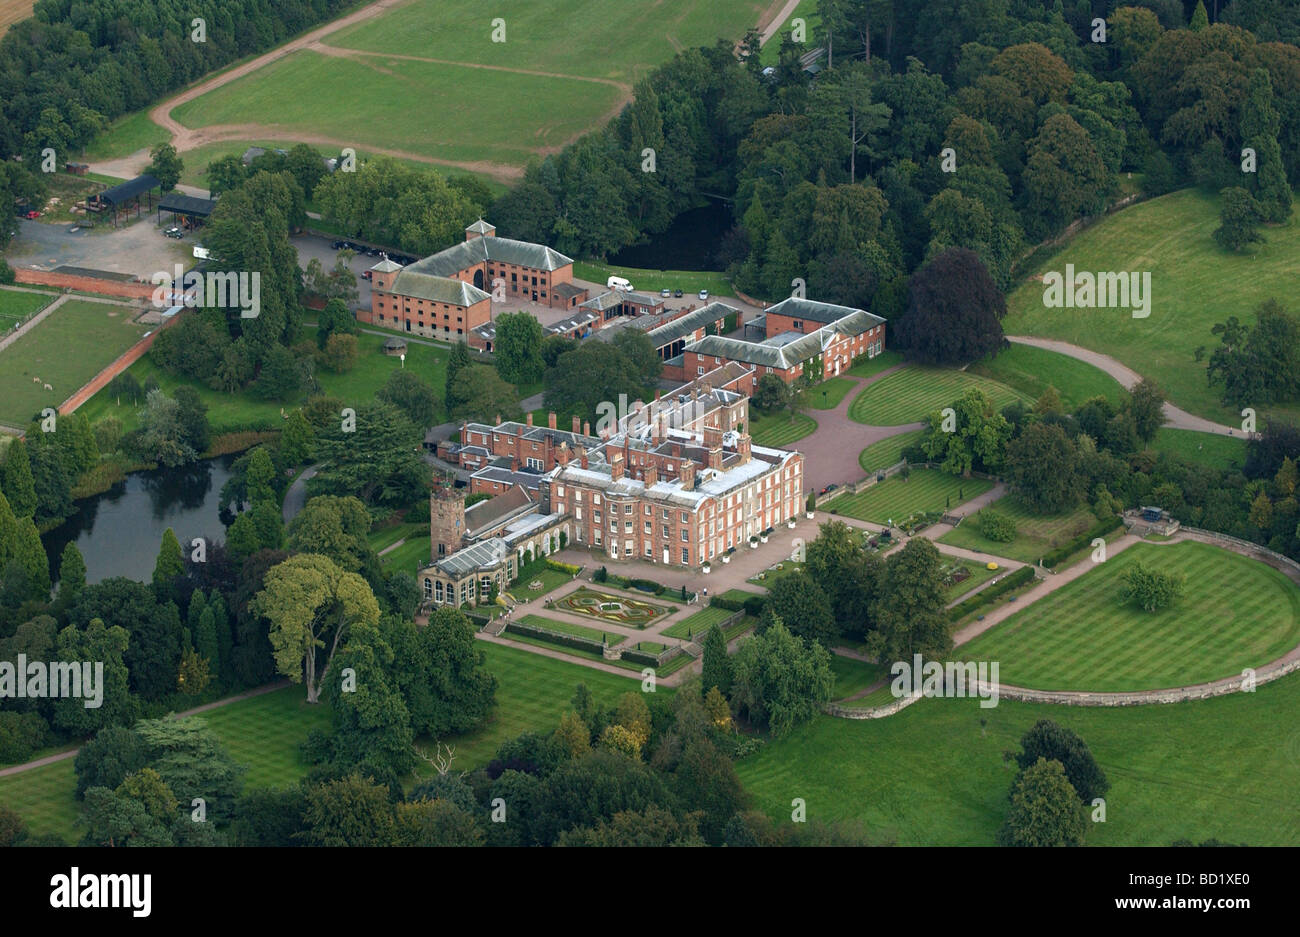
x,y
1035,534
1236,612
11,11
1219,452
807,11
544,92
550,578
67,349
1031,371
16,305
912,394
1171,237
866,367
127,135
1226,768
690,282
578,631
779,429
887,452
979,574
895,498
828,394
410,556
852,675
700,622
242,410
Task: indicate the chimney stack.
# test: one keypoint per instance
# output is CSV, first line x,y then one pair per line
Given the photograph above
x,y
616,466
562,457
651,475
687,474
586,427
715,459
550,420
530,418
577,426
744,447
498,423
582,456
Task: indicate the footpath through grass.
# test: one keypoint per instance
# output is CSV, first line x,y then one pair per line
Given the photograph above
x,y
1236,612
896,498
1032,370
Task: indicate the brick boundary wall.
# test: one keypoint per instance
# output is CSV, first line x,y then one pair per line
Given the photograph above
x,y
124,288
124,361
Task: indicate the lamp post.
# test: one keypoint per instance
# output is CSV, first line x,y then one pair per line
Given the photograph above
x,y
402,356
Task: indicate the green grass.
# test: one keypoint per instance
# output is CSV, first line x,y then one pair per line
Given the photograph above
x,y
380,538
866,367
551,579
72,345
807,11
265,733
889,451
578,631
1031,371
1236,612
45,798
19,305
1217,452
897,498
242,410
125,136
410,556
1226,768
979,574
779,429
1035,534
690,282
1171,237
852,675
912,394
700,622
828,394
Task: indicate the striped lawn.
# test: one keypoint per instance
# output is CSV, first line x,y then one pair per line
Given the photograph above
x,y
577,631
1236,613
779,429
887,452
1036,534
1031,370
895,498
912,394
700,621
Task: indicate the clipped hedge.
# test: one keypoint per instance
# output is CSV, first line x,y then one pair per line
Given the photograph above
x,y
554,637
1014,581
753,605
1100,529
563,567
652,659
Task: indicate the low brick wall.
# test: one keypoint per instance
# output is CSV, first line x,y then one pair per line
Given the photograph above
x,y
124,361
122,288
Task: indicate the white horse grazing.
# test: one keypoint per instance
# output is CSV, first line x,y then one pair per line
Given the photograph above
x,y
36,380
48,387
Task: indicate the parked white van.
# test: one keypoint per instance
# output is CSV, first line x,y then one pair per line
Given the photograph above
x,y
618,283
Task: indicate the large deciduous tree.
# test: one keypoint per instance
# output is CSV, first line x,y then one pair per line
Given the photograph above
x,y
954,311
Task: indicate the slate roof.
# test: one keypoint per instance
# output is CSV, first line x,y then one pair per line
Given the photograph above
x,y
787,354
466,254
419,284
813,311
670,332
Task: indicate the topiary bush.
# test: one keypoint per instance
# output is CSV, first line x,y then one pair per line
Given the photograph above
x,y
994,525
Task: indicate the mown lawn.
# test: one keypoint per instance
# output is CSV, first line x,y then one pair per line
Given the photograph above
x,y
698,623
853,675
551,579
1210,449
1032,370
1035,534
979,574
68,348
866,367
780,429
1236,612
16,305
896,498
828,394
887,452
912,394
690,282
242,410
579,631
1171,238
934,773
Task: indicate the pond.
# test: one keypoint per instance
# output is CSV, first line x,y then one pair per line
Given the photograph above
x,y
690,243
119,532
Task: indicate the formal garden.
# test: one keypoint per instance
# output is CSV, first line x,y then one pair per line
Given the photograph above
x,y
618,609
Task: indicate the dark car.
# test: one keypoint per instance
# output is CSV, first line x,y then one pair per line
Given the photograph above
x,y
339,245
174,232
677,293
829,488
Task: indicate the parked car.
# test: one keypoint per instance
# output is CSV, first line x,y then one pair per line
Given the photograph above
x,y
367,274
174,232
339,245
31,215
829,488
665,292
618,283
704,294
372,252
677,293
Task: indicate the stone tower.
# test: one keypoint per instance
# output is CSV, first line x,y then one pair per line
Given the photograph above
x,y
446,521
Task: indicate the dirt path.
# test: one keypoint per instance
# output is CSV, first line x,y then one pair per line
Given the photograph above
x,y
774,19
72,753
1178,418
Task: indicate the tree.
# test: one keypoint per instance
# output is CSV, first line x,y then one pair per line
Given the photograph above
x,y
436,823
16,480
1045,809
994,525
169,565
109,757
72,575
457,361
771,394
717,665
591,374
641,353
377,459
205,641
1152,589
225,173
910,614
849,576
573,735
350,811
1064,176
163,435
978,439
1046,739
154,650
412,396
1239,219
797,598
281,375
518,347
30,552
335,318
1042,467
305,598
193,763
482,395
446,682
298,441
336,528
1147,404
1200,19
165,165
1260,125
341,352
954,311
780,681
